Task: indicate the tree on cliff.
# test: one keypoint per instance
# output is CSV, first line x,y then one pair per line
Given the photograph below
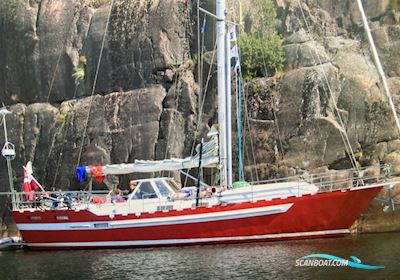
x,y
261,47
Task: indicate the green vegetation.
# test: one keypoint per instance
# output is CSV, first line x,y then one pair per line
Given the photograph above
x,y
264,20
62,117
79,71
79,74
261,56
394,5
261,48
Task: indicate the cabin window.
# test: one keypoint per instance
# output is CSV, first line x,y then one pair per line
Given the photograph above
x,y
146,191
35,218
101,225
173,185
62,218
162,188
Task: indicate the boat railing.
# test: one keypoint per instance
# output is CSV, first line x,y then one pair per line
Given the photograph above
x,y
78,200
340,179
326,182
54,199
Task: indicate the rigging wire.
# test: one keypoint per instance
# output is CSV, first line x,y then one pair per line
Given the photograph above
x,y
94,82
246,92
63,143
62,50
176,98
238,86
342,131
72,120
201,49
244,89
248,125
54,75
199,53
239,127
279,135
282,152
246,152
378,64
68,30
200,115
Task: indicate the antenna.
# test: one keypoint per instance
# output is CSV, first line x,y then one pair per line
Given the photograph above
x,y
8,152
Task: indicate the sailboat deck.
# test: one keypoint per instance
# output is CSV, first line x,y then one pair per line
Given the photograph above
x,y
164,199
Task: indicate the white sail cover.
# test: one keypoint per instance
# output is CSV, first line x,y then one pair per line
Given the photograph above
x,y
209,159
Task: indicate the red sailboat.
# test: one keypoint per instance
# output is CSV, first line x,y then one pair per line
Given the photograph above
x,y
179,222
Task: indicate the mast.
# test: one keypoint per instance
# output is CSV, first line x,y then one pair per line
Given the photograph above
x,y
221,69
378,63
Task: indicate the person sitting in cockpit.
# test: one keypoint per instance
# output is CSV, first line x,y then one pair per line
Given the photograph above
x,y
116,196
132,186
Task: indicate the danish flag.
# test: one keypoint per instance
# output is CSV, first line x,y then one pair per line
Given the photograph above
x,y
30,183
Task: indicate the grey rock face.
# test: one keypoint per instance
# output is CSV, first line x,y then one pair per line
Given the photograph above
x,y
388,43
42,41
143,37
304,55
311,132
121,127
146,42
347,11
40,44
318,67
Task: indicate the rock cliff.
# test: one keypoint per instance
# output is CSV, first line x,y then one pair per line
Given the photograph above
x,y
145,103
144,69
335,61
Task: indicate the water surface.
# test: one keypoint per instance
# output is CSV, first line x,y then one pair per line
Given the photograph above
x,y
274,260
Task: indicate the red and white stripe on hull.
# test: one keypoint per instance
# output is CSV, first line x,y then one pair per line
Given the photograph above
x,y
193,241
308,216
162,221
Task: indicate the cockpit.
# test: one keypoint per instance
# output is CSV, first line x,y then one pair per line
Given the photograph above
x,y
154,188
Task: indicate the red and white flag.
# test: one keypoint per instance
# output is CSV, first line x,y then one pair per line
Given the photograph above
x,y
30,183
28,193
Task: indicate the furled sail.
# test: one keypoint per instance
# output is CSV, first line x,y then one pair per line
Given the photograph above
x,y
210,158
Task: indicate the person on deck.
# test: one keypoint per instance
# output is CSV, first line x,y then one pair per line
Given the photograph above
x,y
132,186
116,195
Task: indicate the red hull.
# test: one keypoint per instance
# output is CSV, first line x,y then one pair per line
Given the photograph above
x,y
310,216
